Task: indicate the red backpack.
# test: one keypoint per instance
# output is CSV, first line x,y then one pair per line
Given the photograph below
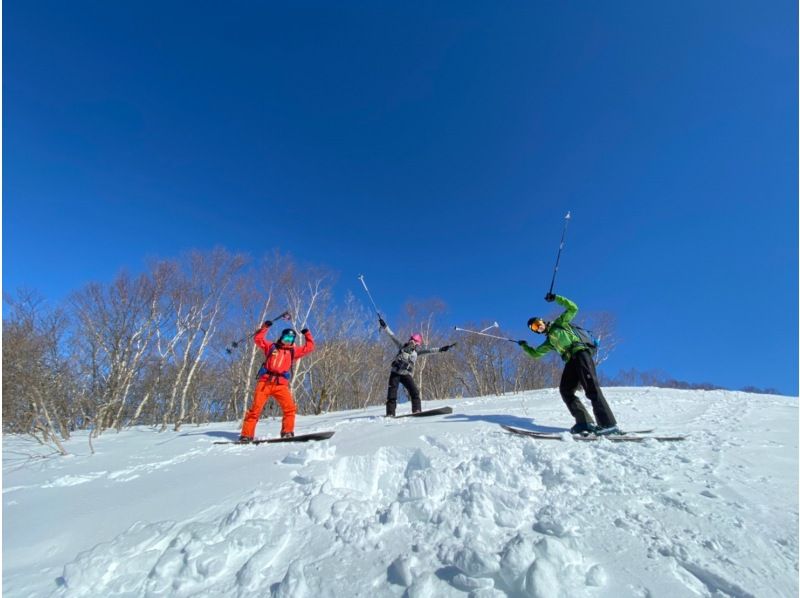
x,y
278,363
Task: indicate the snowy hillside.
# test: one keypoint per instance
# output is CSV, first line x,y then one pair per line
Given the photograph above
x,y
436,507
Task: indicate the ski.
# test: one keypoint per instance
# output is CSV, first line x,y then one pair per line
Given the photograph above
x,y
301,438
427,412
627,437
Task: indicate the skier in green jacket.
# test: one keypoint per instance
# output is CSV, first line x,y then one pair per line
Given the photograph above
x,y
578,371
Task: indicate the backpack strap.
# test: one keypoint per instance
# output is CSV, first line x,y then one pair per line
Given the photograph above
x,y
579,342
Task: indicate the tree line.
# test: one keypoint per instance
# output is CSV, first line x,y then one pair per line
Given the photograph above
x,y
156,348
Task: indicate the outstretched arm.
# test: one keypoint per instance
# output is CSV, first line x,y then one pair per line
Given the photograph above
x,y
536,352
427,350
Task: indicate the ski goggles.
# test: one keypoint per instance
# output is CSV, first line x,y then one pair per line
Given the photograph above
x,y
537,326
288,338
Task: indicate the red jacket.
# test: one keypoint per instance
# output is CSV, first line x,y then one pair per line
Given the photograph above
x,y
282,357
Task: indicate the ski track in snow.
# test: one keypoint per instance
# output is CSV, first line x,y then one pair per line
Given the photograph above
x,y
432,508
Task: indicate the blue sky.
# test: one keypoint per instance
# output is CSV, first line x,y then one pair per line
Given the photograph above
x,y
433,147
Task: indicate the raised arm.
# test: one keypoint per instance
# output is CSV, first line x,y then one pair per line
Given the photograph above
x,y
302,351
569,313
388,331
260,337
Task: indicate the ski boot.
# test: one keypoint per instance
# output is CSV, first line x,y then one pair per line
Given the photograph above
x,y
583,429
245,439
610,430
287,434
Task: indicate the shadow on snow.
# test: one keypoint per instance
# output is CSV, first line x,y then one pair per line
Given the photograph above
x,y
524,423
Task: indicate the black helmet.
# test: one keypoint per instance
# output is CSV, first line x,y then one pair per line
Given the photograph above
x,y
534,325
287,336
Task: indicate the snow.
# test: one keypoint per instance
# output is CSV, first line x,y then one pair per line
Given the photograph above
x,y
435,507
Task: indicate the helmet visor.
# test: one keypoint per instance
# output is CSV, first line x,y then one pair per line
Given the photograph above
x,y
288,338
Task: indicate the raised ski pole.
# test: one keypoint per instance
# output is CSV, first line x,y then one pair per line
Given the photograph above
x,y
285,315
375,307
558,257
501,338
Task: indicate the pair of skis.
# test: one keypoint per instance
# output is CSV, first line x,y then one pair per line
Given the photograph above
x,y
634,436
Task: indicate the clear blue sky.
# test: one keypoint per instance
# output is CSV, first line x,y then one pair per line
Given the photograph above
x,y
434,147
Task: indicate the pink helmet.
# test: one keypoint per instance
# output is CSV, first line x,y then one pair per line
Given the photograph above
x,y
417,338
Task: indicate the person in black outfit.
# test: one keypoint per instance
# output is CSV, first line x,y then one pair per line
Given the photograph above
x,y
403,368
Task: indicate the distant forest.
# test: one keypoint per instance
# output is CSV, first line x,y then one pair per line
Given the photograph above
x,y
158,349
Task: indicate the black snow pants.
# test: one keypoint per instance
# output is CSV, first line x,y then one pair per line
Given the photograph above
x,y
580,371
406,380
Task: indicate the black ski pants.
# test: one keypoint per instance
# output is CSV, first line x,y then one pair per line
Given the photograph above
x,y
580,371
406,380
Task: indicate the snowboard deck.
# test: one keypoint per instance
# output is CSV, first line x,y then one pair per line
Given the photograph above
x,y
627,437
427,412
300,438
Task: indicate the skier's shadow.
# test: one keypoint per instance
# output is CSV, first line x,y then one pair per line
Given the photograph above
x,y
524,423
215,434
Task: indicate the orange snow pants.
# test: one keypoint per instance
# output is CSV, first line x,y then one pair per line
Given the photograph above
x,y
264,390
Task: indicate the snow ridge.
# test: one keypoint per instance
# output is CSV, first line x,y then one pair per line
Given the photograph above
x,y
456,507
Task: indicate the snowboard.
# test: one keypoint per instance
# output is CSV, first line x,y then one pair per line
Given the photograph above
x,y
300,438
427,412
627,437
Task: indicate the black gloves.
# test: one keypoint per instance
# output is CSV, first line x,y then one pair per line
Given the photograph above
x,y
381,322
267,323
447,347
522,343
549,297
304,331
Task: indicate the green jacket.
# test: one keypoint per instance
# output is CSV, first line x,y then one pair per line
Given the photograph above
x,y
560,336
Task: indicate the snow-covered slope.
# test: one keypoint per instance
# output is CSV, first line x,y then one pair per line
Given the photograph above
x,y
445,506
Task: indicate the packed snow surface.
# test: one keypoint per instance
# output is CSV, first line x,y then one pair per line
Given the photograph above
x,y
435,507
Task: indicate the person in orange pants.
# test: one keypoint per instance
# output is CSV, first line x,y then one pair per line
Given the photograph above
x,y
273,378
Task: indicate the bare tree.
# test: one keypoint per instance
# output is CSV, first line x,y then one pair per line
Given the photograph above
x,y
204,290
305,293
33,370
342,375
483,363
255,299
116,327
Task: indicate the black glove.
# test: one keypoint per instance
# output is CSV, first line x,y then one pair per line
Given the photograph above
x,y
304,331
446,347
549,297
522,343
381,322
267,323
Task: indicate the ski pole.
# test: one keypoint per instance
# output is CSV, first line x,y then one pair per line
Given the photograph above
x,y
285,315
375,307
558,257
502,338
